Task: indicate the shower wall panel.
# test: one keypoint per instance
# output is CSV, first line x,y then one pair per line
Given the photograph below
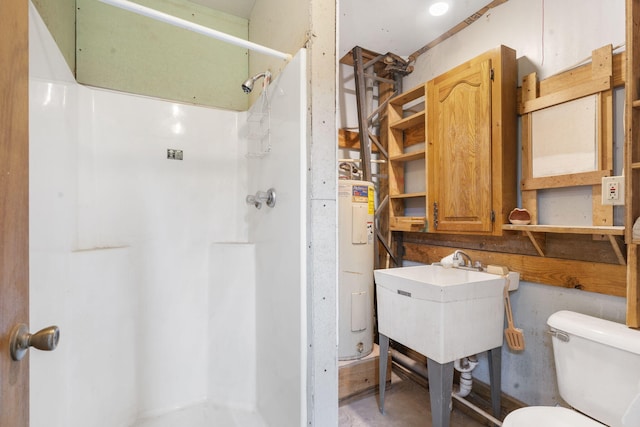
x,y
232,325
166,212
279,234
120,240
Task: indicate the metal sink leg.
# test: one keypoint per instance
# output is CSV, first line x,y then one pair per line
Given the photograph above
x,y
440,388
383,343
495,362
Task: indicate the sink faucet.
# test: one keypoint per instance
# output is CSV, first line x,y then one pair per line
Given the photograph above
x,y
458,255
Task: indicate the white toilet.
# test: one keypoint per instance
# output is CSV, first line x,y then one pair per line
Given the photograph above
x,y
598,371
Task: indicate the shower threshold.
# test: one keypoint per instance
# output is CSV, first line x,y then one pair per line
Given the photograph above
x,y
204,415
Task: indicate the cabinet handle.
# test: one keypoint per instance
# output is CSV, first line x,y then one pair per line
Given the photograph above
x,y
435,215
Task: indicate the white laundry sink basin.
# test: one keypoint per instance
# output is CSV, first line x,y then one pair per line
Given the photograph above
x,y
443,313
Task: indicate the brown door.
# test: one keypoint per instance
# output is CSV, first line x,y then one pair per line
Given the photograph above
x,y
14,206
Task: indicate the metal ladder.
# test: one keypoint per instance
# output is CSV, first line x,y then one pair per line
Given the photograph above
x,y
367,74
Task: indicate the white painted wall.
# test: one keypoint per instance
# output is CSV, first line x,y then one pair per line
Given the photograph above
x,y
145,263
281,25
547,43
548,37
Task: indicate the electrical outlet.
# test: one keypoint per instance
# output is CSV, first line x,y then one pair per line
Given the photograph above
x,y
613,190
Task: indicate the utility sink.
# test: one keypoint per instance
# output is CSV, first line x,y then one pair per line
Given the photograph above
x,y
443,313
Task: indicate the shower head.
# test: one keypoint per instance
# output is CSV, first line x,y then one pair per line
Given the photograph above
x,y
247,86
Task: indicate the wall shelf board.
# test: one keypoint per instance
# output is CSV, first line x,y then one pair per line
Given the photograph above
x,y
408,223
407,157
609,231
408,96
407,195
413,120
567,229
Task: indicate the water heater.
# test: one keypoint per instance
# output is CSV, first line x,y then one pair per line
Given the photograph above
x,y
355,264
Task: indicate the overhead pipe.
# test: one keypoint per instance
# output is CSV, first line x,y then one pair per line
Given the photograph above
x,y
196,28
410,364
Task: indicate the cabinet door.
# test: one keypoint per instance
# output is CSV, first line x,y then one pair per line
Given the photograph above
x,y
459,150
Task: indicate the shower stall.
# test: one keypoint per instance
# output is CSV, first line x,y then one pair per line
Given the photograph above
x,y
178,302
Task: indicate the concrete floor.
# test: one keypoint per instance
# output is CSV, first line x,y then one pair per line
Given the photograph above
x,y
406,404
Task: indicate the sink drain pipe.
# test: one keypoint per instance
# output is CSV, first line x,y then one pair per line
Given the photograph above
x,y
421,370
465,366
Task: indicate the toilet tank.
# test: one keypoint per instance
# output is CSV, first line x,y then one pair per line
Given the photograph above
x,y
597,366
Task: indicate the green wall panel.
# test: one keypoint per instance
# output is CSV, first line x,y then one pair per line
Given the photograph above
x,y
60,18
120,50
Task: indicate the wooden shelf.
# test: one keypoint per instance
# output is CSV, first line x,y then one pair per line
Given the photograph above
x,y
413,120
407,157
609,231
407,195
405,124
408,96
405,121
599,230
408,223
636,103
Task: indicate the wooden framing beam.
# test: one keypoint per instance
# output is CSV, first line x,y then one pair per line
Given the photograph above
x,y
595,78
350,140
569,180
569,94
461,26
610,279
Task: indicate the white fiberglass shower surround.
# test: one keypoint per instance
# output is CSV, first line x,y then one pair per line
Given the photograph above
x,y
178,303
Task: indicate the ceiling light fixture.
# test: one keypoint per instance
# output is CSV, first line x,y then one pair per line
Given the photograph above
x,y
438,8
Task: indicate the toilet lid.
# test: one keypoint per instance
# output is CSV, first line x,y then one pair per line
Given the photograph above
x,y
548,416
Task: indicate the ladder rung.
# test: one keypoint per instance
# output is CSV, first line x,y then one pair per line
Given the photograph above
x,y
373,61
379,79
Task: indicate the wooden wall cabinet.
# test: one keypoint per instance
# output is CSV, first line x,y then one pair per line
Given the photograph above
x,y
471,145
469,130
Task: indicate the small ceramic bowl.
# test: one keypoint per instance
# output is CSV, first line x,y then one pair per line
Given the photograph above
x,y
519,217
